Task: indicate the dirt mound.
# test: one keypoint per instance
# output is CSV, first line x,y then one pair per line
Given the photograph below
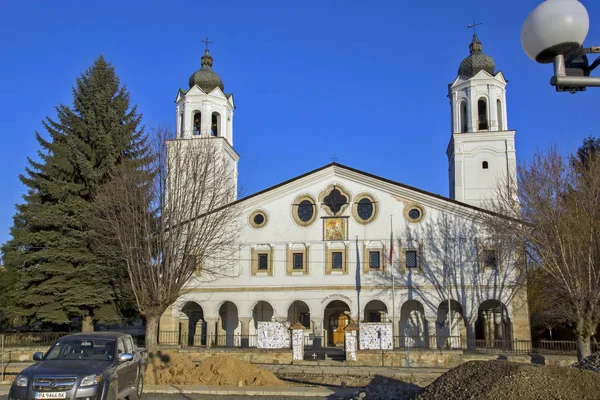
x,y
177,369
499,380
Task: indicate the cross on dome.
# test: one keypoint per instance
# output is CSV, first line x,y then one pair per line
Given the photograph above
x,y
207,42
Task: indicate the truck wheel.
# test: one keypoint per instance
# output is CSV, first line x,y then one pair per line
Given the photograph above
x,y
139,388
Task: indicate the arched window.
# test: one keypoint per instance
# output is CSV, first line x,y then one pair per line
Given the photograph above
x,y
484,165
500,115
482,114
464,123
215,125
197,123
181,125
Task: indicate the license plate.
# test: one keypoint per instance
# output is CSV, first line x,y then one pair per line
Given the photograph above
x,y
50,395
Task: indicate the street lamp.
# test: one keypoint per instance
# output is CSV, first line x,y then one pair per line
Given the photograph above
x,y
554,32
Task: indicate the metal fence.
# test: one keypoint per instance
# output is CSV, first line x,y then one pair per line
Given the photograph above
x,y
29,339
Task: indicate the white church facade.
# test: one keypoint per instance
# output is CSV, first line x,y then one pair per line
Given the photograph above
x,y
338,245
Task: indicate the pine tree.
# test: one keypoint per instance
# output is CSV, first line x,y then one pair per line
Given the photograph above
x,y
60,275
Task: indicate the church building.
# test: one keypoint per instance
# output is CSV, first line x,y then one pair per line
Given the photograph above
x,y
321,249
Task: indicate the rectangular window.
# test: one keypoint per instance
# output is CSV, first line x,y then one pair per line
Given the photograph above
x,y
298,261
336,260
263,262
374,259
411,258
489,259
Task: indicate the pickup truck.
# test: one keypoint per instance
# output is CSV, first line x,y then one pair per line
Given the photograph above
x,y
84,366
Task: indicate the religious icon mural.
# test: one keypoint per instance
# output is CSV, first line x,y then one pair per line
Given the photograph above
x,y
335,229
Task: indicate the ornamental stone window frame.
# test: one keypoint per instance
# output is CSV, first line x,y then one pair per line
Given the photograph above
x,y
335,247
255,252
418,248
325,192
303,249
374,202
487,245
294,210
370,246
253,214
409,207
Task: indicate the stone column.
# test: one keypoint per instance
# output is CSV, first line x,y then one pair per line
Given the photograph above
x,y
297,341
431,335
351,341
470,335
245,339
211,326
318,331
184,331
198,333
489,317
484,323
397,333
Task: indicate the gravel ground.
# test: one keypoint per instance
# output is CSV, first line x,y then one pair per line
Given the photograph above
x,y
155,396
591,363
500,380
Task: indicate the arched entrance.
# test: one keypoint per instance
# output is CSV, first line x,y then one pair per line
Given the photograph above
x,y
193,328
412,326
375,311
452,332
335,319
298,311
493,327
228,326
263,311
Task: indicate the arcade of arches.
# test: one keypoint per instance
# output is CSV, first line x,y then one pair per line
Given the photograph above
x,y
413,326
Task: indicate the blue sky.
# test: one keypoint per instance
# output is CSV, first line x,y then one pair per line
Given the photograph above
x,y
364,80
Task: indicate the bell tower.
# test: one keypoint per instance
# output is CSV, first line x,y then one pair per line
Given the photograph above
x,y
481,153
205,112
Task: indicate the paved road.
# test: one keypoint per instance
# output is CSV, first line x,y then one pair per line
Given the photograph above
x,y
155,396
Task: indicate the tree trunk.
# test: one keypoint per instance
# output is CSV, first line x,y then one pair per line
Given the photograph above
x,y
87,324
583,346
152,333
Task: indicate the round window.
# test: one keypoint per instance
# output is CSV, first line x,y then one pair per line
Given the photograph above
x,y
305,211
414,213
365,209
259,219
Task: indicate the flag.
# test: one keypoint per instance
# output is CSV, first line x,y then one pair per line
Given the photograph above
x,y
391,247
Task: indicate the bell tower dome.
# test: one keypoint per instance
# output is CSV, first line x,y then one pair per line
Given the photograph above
x,y
205,112
481,153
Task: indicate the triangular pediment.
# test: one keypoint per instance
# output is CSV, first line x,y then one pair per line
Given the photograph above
x,y
355,182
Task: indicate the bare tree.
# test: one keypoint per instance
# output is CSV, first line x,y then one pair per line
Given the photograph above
x,y
546,314
176,221
558,202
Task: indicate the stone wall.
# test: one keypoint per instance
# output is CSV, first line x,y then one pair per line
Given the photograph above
x,y
22,354
254,356
272,335
376,336
449,358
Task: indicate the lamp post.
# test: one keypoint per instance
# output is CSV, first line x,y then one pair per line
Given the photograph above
x,y
554,33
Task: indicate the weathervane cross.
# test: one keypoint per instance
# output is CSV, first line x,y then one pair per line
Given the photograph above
x,y
207,42
334,158
474,25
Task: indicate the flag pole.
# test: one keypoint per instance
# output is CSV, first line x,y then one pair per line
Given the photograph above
x,y
393,279
358,280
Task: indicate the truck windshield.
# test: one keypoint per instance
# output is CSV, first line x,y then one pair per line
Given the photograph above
x,y
82,349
